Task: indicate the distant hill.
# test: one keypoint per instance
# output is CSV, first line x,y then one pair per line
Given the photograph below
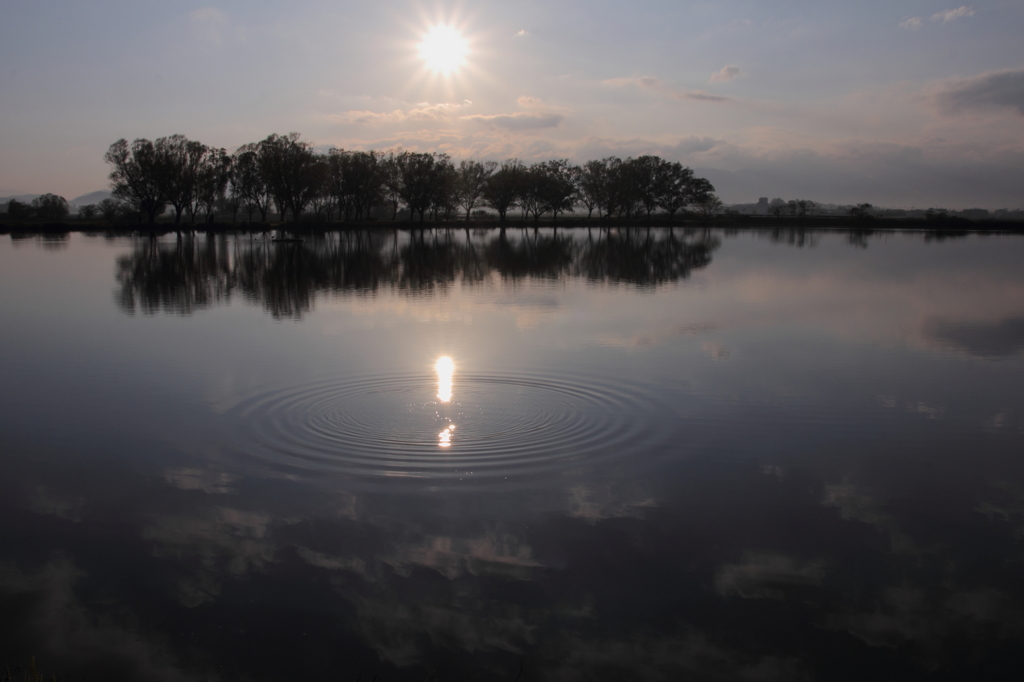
x,y
90,198
26,198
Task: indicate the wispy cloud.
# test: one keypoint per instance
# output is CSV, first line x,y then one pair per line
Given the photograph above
x,y
640,81
654,83
423,113
700,96
727,73
521,33
518,121
984,91
206,24
945,16
948,15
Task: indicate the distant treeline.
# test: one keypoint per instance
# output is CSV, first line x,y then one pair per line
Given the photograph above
x,y
284,175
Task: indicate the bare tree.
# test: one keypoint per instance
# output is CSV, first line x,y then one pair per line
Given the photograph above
x,y
136,176
418,180
248,182
391,179
50,208
286,163
212,181
503,187
180,160
472,180
558,187
704,198
592,185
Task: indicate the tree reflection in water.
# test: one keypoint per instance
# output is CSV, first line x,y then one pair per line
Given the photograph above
x,y
192,273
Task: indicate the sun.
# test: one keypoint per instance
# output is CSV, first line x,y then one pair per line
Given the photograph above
x,y
443,49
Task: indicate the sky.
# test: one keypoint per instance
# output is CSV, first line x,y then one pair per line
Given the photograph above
x,y
900,104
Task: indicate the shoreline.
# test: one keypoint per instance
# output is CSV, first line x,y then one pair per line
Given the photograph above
x,y
759,223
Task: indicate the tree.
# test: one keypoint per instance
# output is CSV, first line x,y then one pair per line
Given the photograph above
x,y
391,178
674,187
18,210
321,199
212,180
87,212
531,191
50,208
592,185
137,176
110,209
645,173
801,208
861,212
417,182
248,182
704,197
286,163
362,181
503,187
558,187
625,186
180,161
471,183
444,187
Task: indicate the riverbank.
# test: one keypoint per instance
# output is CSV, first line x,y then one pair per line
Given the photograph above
x,y
948,225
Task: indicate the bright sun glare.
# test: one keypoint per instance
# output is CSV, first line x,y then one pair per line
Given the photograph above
x,y
445,368
443,49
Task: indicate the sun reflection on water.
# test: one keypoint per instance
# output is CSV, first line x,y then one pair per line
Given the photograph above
x,y
444,368
445,437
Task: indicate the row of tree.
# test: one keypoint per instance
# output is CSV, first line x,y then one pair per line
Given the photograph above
x,y
48,208
284,174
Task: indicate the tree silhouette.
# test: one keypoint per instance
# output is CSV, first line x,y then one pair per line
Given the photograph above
x,y
285,172
472,182
50,208
503,187
137,176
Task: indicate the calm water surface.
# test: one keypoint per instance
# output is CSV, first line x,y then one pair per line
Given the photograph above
x,y
534,455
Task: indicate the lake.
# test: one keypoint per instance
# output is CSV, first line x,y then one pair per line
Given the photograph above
x,y
533,455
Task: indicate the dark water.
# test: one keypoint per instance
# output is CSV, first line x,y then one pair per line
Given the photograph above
x,y
648,455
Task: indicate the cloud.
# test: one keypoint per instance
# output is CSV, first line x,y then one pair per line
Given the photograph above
x,y
207,15
654,83
771,576
522,32
992,89
948,15
727,73
206,24
529,102
423,112
983,339
61,627
200,479
640,81
700,96
945,16
518,121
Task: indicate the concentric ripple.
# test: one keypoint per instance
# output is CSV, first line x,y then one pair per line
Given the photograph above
x,y
494,425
